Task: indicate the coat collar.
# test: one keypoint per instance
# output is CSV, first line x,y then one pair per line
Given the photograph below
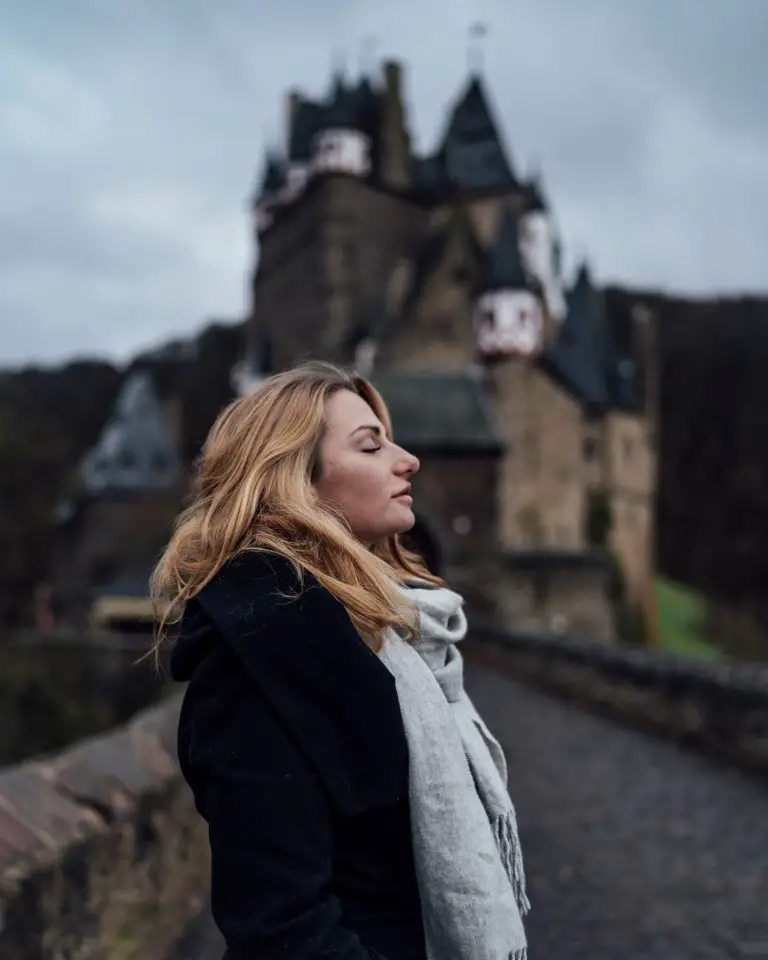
x,y
330,689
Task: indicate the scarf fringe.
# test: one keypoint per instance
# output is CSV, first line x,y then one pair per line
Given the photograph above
x,y
508,843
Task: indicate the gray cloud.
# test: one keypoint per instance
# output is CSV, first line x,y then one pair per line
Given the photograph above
x,y
132,134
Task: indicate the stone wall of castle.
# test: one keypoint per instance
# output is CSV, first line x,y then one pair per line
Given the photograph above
x,y
630,466
542,490
342,240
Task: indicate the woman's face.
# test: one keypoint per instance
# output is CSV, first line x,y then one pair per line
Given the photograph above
x,y
363,474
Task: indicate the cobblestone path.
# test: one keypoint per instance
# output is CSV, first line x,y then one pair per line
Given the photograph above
x,y
635,849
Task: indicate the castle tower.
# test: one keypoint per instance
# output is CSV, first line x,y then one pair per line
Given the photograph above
x,y
508,314
345,216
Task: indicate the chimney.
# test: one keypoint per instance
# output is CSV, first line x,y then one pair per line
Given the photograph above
x,y
393,81
395,141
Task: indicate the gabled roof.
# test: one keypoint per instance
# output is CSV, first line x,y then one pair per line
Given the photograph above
x,y
472,154
439,412
504,268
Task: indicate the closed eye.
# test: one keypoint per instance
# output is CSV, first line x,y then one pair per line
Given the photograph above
x,y
370,449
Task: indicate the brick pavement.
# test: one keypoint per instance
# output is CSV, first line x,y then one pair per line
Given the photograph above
x,y
635,849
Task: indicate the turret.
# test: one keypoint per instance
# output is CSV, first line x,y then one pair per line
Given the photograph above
x,y
508,313
339,144
540,249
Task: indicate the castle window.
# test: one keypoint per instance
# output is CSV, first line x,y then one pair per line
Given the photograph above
x,y
628,448
590,449
127,460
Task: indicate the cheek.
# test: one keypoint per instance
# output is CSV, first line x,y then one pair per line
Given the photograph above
x,y
356,486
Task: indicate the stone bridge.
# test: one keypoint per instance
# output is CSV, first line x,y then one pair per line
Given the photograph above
x,y
644,818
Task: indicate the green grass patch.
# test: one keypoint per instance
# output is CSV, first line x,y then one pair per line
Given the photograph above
x,y
682,621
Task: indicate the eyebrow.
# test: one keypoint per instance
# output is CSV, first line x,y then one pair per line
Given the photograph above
x,y
374,428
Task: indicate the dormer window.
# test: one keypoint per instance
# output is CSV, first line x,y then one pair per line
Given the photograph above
x,y
509,323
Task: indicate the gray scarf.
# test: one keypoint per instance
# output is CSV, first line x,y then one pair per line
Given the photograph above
x,y
466,848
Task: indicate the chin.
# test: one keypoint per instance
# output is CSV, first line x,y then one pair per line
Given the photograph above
x,y
408,522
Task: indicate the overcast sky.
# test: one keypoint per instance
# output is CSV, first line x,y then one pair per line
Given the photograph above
x,y
131,135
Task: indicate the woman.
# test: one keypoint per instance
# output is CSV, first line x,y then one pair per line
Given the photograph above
x,y
356,803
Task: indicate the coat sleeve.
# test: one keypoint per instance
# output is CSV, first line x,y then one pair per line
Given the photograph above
x,y
270,828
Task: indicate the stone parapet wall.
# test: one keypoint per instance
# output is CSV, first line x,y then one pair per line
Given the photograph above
x,y
720,707
102,854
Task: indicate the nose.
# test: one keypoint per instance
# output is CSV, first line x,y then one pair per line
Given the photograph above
x,y
407,464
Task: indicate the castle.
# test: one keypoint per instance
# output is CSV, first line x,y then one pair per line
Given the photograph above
x,y
439,277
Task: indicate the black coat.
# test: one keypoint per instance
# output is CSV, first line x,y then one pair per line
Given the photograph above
x,y
292,741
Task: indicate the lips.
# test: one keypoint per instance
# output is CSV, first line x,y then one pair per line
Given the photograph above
x,y
405,492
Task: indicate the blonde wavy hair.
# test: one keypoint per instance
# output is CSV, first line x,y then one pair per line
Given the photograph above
x,y
252,491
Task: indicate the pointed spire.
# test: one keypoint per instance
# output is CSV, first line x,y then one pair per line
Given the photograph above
x,y
472,149
582,288
504,267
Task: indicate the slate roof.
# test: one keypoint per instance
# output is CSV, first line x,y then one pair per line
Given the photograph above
x,y
472,154
504,269
586,359
306,123
439,412
136,450
343,108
